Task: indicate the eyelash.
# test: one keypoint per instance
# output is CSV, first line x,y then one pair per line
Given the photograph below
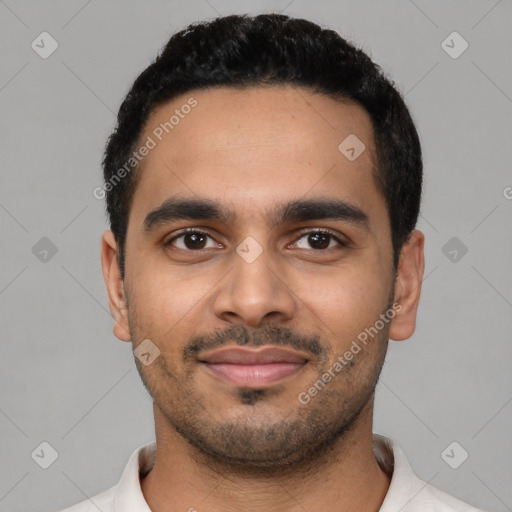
x,y
323,231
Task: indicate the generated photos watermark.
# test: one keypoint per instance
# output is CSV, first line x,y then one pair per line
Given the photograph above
x,y
157,135
343,360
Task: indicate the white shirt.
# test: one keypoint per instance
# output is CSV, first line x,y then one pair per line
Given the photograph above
x,y
406,493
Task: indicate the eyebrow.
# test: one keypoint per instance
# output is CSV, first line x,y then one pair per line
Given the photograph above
x,y
188,208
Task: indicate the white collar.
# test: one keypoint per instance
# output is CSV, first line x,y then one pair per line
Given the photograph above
x,y
406,493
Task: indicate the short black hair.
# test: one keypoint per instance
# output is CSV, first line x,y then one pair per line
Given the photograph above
x,y
243,51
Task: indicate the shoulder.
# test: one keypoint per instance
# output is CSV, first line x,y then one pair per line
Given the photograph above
x,y
407,492
432,499
102,501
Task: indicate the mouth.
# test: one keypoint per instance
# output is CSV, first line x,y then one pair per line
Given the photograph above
x,y
253,368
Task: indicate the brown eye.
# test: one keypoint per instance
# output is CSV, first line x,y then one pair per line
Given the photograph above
x,y
320,240
191,240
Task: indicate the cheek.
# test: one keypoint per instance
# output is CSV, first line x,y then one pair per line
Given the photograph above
x,y
348,301
167,303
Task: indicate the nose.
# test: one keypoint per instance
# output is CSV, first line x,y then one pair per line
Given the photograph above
x,y
254,292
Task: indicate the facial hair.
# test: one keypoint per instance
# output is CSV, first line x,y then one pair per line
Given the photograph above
x,y
266,445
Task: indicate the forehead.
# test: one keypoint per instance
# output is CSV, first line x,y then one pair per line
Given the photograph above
x,y
251,148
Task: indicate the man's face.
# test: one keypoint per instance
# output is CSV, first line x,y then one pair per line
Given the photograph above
x,y
257,277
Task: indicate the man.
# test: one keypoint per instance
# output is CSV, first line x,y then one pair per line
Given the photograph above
x,y
263,184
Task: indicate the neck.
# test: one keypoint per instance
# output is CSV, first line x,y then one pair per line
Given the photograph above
x,y
349,478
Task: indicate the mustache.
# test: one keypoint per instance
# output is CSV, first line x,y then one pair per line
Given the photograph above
x,y
241,335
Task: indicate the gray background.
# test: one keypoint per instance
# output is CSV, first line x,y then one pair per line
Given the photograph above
x,y
65,379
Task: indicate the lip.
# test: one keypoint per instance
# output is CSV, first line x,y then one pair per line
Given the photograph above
x,y
248,356
252,368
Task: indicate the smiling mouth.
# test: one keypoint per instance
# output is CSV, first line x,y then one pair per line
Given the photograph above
x,y
253,375
253,368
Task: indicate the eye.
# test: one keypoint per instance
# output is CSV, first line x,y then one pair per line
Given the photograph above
x,y
320,239
193,239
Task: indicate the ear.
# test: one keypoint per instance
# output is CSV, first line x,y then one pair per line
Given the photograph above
x,y
115,286
408,281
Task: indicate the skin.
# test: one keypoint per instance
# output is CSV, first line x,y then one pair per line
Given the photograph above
x,y
222,447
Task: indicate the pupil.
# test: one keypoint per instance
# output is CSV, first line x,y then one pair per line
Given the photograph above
x,y
323,238
320,240
195,240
